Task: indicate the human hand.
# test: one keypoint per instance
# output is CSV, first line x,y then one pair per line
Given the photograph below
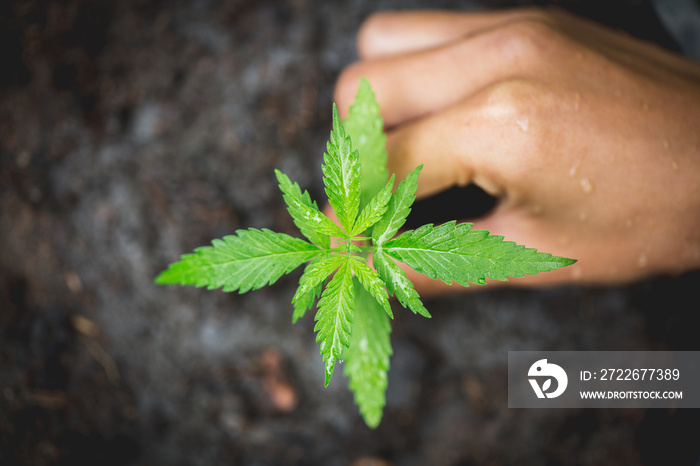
x,y
589,138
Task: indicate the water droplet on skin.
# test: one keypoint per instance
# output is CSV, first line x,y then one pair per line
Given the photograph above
x,y
674,165
629,223
645,106
523,123
642,260
582,216
666,144
576,272
564,239
618,92
574,167
536,209
586,186
577,101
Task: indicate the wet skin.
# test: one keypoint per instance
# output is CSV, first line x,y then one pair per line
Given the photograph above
x,y
589,138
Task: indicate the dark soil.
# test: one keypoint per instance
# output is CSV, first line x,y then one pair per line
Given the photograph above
x,y
133,131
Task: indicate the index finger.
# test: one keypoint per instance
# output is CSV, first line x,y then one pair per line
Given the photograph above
x,y
469,142
399,32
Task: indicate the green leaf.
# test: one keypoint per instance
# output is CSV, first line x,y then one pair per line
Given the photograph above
x,y
314,275
306,302
341,175
334,317
311,222
372,283
248,260
366,361
457,253
398,208
397,283
375,210
352,320
365,127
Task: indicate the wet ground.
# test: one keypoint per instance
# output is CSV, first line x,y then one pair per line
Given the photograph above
x,y
134,131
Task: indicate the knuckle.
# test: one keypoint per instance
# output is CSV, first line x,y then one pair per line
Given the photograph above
x,y
512,98
519,108
528,38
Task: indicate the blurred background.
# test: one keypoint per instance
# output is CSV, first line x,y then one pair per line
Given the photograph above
x,y
133,131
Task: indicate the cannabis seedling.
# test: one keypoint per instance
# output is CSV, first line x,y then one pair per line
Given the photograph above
x,y
353,313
